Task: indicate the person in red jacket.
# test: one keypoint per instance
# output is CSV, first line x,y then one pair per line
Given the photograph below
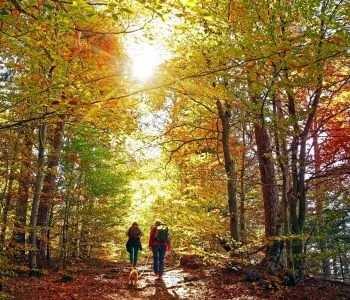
x,y
159,242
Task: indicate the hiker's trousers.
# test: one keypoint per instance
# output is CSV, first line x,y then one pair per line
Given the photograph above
x,y
133,255
158,259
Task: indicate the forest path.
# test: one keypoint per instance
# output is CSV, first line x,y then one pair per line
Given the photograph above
x,y
105,279
102,279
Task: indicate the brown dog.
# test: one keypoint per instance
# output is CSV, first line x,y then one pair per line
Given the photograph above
x,y
133,276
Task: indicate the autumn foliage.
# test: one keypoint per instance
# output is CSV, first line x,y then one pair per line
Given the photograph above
x,y
240,139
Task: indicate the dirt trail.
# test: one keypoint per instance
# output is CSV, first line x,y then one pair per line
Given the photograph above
x,y
100,279
109,280
175,284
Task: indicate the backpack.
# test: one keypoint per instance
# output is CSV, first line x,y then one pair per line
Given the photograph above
x,y
134,232
162,233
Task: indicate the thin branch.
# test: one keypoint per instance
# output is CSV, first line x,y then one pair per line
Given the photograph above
x,y
24,121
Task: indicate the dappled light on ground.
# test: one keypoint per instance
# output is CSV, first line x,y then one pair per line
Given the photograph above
x,y
98,279
175,284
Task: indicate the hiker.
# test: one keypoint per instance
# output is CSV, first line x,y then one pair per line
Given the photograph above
x,y
133,245
159,242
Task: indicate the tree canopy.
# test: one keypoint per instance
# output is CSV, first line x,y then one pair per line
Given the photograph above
x,y
229,120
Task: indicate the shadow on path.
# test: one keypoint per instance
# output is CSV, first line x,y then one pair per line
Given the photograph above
x,y
162,292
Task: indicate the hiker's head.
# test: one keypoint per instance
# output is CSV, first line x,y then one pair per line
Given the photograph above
x,y
158,222
135,224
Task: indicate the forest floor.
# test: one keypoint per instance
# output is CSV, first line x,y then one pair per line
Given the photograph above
x,y
103,279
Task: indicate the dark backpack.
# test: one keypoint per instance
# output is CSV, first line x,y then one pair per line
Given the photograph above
x,y
162,233
134,232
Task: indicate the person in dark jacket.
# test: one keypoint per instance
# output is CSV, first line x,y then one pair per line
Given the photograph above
x,y
133,245
159,242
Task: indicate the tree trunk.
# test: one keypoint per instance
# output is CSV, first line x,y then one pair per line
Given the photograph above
x,y
282,158
36,199
3,194
268,180
11,166
268,184
242,191
24,182
224,114
48,237
319,195
48,192
270,194
298,192
5,211
65,227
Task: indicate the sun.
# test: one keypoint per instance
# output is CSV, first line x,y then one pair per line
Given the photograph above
x,y
147,52
144,58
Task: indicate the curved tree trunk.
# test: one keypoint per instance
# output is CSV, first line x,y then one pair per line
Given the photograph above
x,y
224,114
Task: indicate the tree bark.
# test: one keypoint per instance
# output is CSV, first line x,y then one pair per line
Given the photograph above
x,y
65,227
11,166
297,194
242,191
270,195
268,180
24,183
48,236
224,114
319,199
282,157
48,192
6,209
36,199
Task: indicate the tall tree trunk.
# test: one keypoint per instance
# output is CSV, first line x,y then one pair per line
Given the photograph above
x,y
298,191
36,199
11,166
268,180
286,223
224,114
65,227
282,158
270,194
242,191
268,183
297,194
48,191
24,183
77,222
48,237
3,194
5,211
319,199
